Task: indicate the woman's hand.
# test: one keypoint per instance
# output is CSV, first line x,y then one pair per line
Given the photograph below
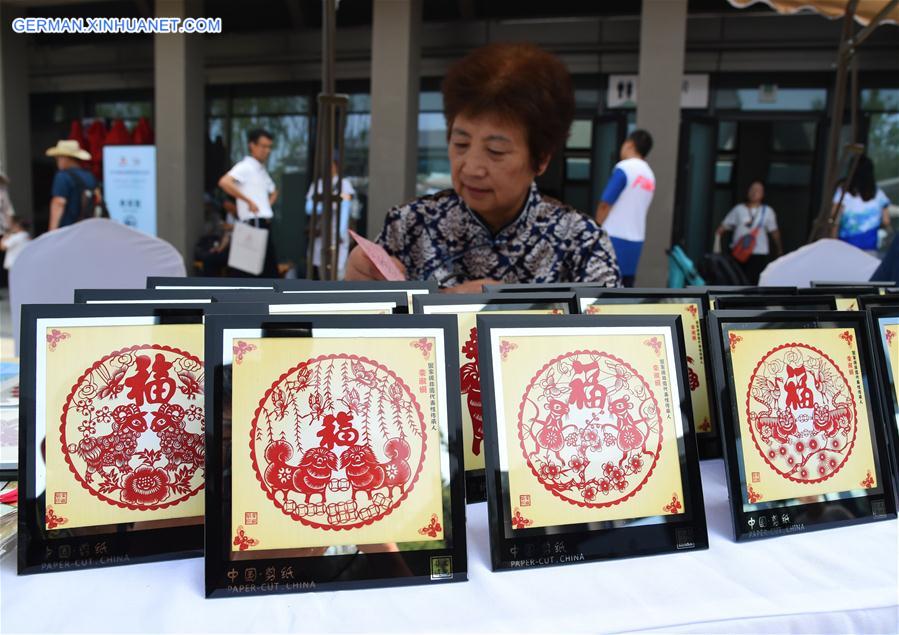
x,y
472,286
359,267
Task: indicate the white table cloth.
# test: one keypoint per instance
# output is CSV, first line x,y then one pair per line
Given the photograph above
x,y
836,581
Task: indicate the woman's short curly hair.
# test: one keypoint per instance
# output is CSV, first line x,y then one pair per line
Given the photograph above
x,y
521,83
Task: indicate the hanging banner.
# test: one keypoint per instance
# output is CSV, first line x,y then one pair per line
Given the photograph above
x,y
129,185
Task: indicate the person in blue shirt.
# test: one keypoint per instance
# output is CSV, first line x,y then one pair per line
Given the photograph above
x,y
863,210
69,183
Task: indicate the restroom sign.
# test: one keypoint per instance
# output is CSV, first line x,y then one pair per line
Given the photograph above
x,y
623,91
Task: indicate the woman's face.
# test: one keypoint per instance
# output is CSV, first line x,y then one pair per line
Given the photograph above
x,y
756,193
491,166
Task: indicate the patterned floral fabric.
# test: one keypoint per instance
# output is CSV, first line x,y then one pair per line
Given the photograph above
x,y
439,237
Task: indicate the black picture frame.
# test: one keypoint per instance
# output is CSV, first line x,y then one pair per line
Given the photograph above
x,y
880,317
845,297
708,440
776,303
716,291
870,301
475,484
755,520
324,572
142,296
316,303
163,283
537,287
41,549
522,546
871,284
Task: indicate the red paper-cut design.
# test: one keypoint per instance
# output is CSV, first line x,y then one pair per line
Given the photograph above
x,y
693,310
674,506
55,336
470,376
590,428
506,347
889,335
692,376
847,337
801,412
54,521
754,496
338,441
655,344
240,349
734,339
592,309
557,312
132,428
519,521
705,425
432,529
242,541
868,483
424,345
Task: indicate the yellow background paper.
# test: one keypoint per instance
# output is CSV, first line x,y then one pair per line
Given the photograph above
x,y
546,509
767,483
702,411
256,373
65,364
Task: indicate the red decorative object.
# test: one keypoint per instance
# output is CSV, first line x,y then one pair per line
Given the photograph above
x,y
674,506
868,483
432,529
506,347
470,377
889,335
118,135
590,428
655,344
54,521
240,349
142,135
519,521
242,541
802,413
592,309
693,310
338,442
76,133
96,139
54,337
692,376
424,345
130,431
754,496
734,339
705,425
847,337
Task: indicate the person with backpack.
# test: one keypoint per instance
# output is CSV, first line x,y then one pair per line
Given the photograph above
x,y
752,223
74,189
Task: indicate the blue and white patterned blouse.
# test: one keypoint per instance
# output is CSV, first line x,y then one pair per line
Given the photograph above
x,y
439,237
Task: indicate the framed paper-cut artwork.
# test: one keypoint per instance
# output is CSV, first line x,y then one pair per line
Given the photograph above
x,y
411,288
716,291
692,308
593,453
870,301
885,329
192,283
776,303
112,423
805,447
870,284
845,297
334,453
374,303
537,287
143,296
466,308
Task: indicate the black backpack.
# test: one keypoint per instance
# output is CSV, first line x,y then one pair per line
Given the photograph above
x,y
721,269
90,202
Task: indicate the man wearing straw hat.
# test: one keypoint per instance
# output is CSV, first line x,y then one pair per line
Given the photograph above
x,y
69,183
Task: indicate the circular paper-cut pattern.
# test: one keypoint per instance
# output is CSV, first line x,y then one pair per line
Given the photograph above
x,y
132,427
802,414
590,428
338,442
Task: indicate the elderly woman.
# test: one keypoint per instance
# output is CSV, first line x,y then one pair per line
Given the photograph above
x,y
508,110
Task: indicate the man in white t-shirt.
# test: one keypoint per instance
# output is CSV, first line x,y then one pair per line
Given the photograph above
x,y
625,201
255,192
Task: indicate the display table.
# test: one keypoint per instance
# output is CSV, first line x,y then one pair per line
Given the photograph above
x,y
842,580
